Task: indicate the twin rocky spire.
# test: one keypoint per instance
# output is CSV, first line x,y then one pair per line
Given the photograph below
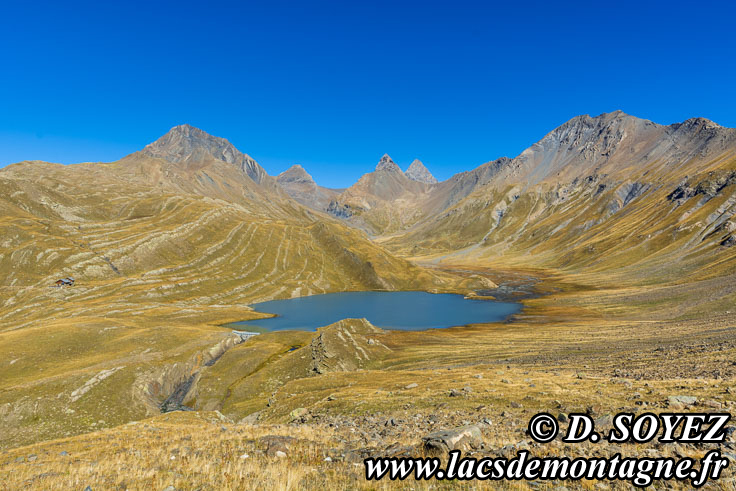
x,y
416,171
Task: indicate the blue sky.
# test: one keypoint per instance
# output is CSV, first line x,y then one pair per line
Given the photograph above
x,y
334,85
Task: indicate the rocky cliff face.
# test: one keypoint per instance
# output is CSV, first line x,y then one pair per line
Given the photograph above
x,y
418,172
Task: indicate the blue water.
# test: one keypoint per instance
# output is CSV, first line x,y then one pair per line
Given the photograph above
x,y
406,311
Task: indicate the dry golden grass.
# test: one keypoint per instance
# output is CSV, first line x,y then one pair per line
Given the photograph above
x,y
205,450
564,349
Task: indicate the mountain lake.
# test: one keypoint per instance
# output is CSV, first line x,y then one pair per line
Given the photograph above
x,y
406,311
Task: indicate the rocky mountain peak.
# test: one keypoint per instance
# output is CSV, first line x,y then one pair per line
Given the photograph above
x,y
184,142
295,173
418,172
387,164
696,123
187,144
586,122
598,135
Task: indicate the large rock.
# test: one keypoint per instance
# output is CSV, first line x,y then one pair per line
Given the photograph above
x,y
682,400
299,413
464,438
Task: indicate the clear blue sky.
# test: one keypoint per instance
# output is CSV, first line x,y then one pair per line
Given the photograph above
x,y
335,85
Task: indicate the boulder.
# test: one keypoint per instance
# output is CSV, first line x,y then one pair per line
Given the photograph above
x,y
464,438
298,414
682,400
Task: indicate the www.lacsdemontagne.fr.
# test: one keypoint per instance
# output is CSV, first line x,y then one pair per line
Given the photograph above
x,y
640,472
543,428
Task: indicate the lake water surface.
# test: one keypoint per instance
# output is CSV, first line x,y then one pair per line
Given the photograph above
x,y
406,311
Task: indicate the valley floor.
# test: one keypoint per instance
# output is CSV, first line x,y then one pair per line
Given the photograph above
x,y
582,344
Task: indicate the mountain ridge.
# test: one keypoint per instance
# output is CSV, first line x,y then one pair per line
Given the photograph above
x,y
612,144
610,191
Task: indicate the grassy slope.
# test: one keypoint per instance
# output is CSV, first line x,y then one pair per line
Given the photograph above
x,y
157,272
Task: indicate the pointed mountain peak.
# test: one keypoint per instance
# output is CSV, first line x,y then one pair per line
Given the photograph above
x,y
387,164
418,172
186,144
295,173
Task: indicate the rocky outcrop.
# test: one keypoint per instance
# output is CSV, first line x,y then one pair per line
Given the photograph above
x,y
78,393
345,346
709,187
339,210
165,389
463,439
